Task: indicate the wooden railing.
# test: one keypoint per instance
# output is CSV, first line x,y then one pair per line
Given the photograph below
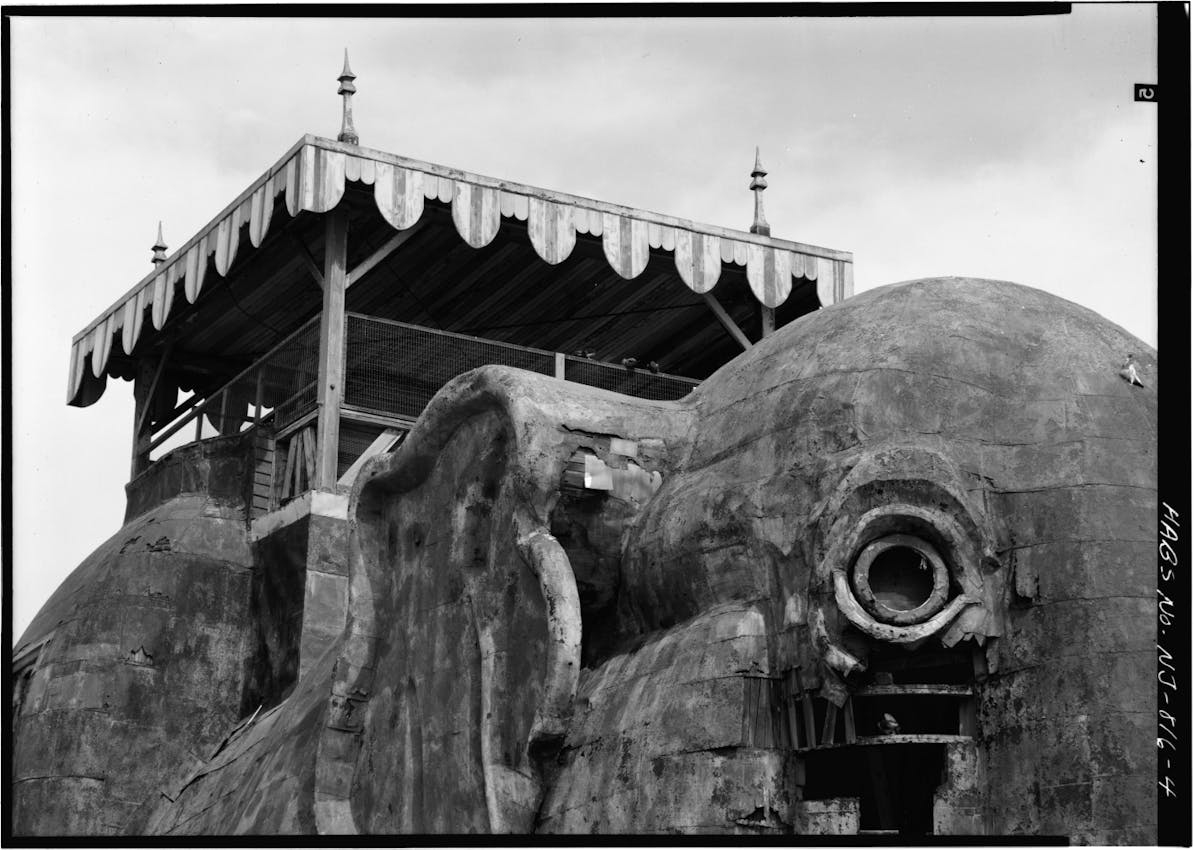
x,y
392,370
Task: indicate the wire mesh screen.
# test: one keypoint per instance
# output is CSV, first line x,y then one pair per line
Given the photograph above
x,y
355,438
392,370
636,382
395,368
290,373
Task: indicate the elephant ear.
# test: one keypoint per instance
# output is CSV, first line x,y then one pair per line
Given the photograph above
x,y
459,667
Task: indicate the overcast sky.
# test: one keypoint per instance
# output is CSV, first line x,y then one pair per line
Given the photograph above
x,y
993,147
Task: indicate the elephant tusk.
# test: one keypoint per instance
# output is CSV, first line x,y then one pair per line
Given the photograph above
x,y
550,563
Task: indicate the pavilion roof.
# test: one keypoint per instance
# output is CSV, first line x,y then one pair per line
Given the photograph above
x,y
313,177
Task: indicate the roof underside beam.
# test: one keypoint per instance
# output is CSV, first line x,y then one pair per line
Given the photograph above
x,y
727,322
392,244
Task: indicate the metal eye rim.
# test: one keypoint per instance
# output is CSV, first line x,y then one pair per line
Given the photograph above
x,y
863,592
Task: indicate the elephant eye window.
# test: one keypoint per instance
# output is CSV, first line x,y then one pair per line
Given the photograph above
x,y
900,579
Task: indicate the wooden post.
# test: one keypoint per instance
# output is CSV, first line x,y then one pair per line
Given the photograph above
x,y
331,347
145,387
560,366
768,317
258,395
142,389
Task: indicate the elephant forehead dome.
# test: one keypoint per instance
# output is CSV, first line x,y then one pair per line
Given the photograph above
x,y
1001,336
984,359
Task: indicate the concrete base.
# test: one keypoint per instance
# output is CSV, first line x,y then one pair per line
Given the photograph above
x,y
306,542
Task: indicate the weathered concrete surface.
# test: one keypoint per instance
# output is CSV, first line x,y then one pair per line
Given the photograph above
x,y
835,816
144,661
985,417
304,565
259,778
958,803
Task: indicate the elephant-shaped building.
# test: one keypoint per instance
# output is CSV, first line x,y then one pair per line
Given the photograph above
x,y
886,571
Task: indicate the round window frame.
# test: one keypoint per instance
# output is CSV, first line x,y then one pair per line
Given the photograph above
x,y
860,580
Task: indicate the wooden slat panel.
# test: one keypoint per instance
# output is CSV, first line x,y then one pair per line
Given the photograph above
x,y
310,457
790,691
261,210
291,171
698,260
824,281
142,300
75,372
830,728
521,207
288,471
309,162
163,298
812,266
654,234
368,171
624,241
129,326
810,724
800,264
769,273
580,219
506,204
227,238
398,193
191,278
328,181
551,229
102,345
476,214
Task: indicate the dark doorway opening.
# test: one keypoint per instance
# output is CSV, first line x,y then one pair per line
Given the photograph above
x,y
895,783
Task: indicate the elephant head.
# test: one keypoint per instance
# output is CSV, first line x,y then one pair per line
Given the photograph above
x,y
574,611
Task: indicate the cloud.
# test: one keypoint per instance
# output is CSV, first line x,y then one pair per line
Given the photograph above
x,y
1002,147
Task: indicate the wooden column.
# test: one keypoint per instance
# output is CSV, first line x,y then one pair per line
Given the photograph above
x,y
145,388
331,347
142,392
768,320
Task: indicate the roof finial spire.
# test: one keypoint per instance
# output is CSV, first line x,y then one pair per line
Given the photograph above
x,y
159,248
348,133
758,182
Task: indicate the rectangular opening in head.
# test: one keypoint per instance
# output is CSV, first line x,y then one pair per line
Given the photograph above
x,y
894,783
